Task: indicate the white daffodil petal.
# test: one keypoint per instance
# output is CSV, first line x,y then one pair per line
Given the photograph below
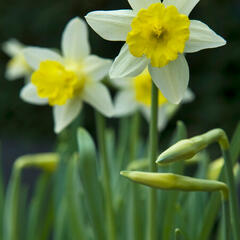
x,y
111,25
15,71
29,95
139,4
98,96
64,115
122,83
189,96
162,116
12,47
171,109
172,79
183,6
35,55
126,65
202,37
125,103
75,44
97,68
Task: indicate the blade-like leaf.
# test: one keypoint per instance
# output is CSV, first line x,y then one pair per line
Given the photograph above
x,y
40,210
75,209
60,205
23,212
1,195
90,182
11,207
180,133
197,200
169,201
235,144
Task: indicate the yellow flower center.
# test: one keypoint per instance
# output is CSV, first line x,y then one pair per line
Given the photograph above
x,y
57,83
159,33
142,85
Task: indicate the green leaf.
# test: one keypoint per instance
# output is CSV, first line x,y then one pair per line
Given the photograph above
x,y
90,182
235,144
197,201
60,205
170,199
11,208
180,133
61,221
23,212
1,196
73,200
40,210
209,217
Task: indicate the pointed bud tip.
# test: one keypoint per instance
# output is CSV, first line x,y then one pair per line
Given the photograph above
x,y
162,160
124,173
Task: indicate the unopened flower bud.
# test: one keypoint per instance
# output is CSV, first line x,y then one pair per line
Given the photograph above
x,y
169,181
188,148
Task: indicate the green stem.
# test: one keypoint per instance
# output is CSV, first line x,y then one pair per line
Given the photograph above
x,y
234,210
100,122
152,208
134,136
226,218
177,234
123,141
135,230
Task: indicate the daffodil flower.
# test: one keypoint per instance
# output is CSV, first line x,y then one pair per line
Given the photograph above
x,y
135,95
157,34
17,66
65,82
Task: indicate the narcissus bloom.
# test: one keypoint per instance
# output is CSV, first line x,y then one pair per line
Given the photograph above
x,y
157,34
17,66
135,95
65,82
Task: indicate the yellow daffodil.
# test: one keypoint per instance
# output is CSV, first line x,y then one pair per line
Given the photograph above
x,y
17,66
135,95
157,34
64,82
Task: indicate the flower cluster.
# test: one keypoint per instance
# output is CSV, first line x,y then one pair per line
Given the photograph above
x,y
156,36
151,76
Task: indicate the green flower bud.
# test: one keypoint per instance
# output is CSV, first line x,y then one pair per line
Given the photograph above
x,y
139,164
170,181
188,148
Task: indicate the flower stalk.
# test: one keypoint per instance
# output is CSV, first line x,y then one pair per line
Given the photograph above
x,y
234,209
152,204
133,150
100,123
226,218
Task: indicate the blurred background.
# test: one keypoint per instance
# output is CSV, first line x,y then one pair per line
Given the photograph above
x,y
215,73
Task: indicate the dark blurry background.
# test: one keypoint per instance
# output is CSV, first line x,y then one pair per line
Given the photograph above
x,y
215,73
